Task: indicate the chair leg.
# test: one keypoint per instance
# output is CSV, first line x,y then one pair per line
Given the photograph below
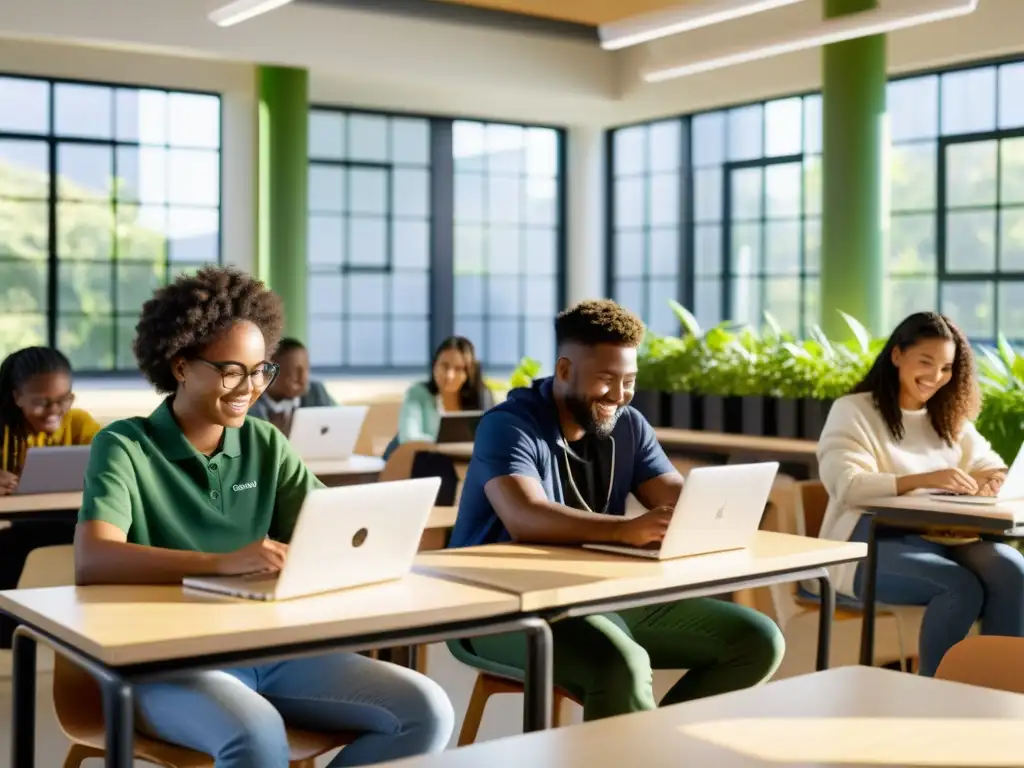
x,y
474,711
421,660
79,753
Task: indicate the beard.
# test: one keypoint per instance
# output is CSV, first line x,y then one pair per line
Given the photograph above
x,y
582,410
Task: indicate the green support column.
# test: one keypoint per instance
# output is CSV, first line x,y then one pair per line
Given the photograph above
x,y
855,178
283,118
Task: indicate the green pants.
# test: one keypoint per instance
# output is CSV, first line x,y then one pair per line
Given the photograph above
x,y
606,660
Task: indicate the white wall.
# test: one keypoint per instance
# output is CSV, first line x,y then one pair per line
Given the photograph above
x,y
993,30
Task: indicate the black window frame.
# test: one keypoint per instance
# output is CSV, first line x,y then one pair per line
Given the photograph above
x,y
53,141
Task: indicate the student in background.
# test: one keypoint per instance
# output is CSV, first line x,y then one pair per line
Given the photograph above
x,y
554,464
35,410
291,389
455,384
197,488
907,428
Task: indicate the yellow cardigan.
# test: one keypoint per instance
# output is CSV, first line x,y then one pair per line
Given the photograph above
x,y
78,428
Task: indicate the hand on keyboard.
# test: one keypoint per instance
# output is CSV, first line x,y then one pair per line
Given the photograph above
x,y
644,530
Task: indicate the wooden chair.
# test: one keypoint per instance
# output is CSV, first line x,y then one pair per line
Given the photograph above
x,y
78,704
791,600
986,661
487,685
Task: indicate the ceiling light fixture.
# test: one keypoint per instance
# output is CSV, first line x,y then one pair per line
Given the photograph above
x,y
243,10
673,21
892,15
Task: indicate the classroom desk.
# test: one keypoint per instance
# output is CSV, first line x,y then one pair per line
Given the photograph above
x,y
848,716
456,451
126,634
351,471
920,512
563,582
739,448
40,506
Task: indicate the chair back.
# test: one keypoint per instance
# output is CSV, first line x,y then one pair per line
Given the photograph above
x,y
399,462
987,661
812,501
77,702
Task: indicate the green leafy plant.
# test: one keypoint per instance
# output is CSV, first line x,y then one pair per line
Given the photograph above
x,y
523,376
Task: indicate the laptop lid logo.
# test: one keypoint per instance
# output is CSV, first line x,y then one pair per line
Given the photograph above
x,y
324,430
360,537
720,513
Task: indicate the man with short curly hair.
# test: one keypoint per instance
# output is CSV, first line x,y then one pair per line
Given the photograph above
x,y
196,488
554,464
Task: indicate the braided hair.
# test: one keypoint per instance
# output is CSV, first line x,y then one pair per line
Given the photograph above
x,y
15,371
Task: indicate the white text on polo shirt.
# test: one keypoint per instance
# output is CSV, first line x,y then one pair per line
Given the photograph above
x,y
243,486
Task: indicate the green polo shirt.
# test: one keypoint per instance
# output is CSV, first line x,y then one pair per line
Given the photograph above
x,y
146,478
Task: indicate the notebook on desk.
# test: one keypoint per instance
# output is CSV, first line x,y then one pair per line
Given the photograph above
x,y
344,537
719,509
54,469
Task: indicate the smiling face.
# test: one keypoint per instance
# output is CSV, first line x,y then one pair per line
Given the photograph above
x,y
451,369
45,399
924,368
598,384
217,386
293,380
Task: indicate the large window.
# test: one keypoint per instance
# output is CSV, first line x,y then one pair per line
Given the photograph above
x,y
105,193
424,227
750,240
957,227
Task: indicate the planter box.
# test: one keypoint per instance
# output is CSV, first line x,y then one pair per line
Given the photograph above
x,y
813,414
752,415
681,410
781,417
652,405
711,410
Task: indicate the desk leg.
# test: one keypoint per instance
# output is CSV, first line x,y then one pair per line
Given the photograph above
x,y
539,680
867,630
118,713
826,610
23,720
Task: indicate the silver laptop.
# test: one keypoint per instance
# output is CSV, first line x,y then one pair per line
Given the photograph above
x,y
54,469
329,432
719,509
1012,488
344,537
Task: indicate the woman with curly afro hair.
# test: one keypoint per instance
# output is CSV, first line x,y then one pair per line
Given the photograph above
x,y
907,428
197,488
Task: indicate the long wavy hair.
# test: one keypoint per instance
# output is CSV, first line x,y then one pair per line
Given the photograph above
x,y
949,408
474,395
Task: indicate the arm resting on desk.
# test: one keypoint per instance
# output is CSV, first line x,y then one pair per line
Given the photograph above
x,y
529,517
104,556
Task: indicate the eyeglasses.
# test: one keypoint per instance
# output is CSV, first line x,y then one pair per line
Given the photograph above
x,y
233,374
40,404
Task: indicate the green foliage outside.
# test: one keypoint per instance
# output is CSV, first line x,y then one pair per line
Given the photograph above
x,y
91,281
732,361
523,376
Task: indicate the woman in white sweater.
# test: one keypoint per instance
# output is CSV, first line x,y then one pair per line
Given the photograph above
x,y
906,428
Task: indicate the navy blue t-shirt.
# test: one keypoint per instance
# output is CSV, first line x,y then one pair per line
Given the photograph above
x,y
522,437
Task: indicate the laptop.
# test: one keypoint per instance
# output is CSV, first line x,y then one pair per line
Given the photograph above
x,y
458,427
344,537
719,509
328,432
1012,488
54,469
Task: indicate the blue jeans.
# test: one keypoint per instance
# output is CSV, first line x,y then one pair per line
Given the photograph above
x,y
239,715
958,584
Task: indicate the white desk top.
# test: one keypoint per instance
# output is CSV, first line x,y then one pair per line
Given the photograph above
x,y
40,502
850,716
122,625
457,451
1012,512
554,577
354,465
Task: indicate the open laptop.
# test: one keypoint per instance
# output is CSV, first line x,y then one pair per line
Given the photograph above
x,y
328,432
344,537
54,469
1012,488
458,427
719,509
